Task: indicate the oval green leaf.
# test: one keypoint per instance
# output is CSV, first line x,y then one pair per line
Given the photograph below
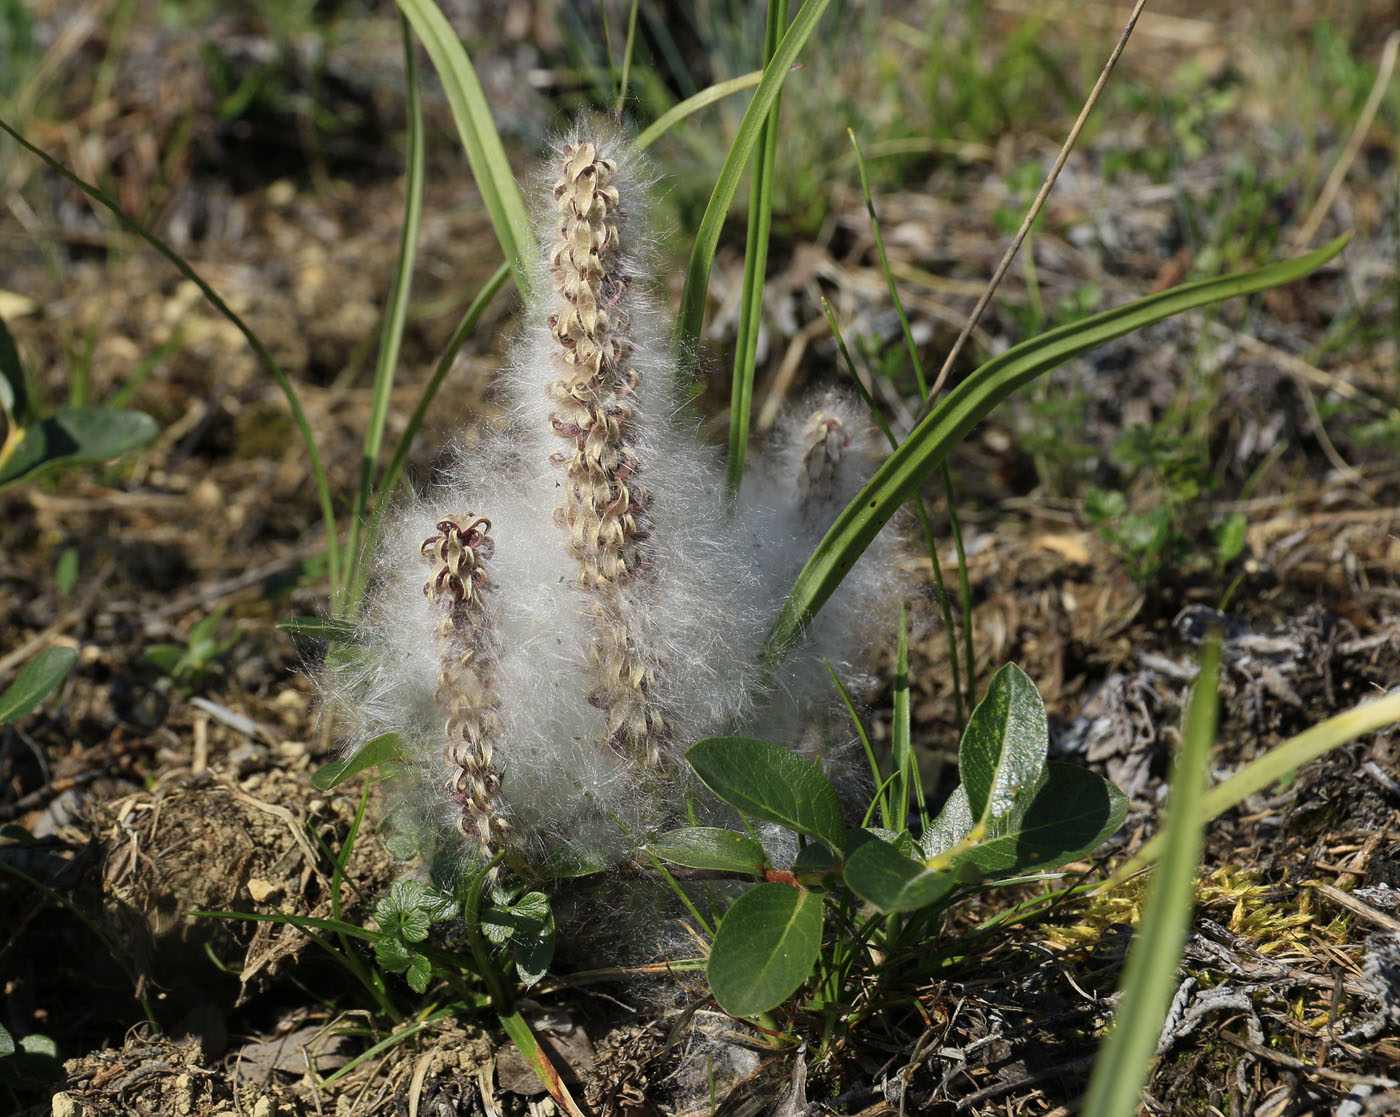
x,y
371,754
765,947
1002,754
35,682
771,784
879,874
78,434
711,848
1072,813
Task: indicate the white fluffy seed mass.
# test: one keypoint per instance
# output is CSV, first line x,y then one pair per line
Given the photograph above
x,y
621,599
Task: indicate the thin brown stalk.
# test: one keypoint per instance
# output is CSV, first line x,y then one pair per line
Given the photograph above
x,y
1034,211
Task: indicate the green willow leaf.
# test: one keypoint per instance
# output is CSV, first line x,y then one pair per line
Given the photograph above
x,y
386,746
1073,812
711,848
485,153
969,403
322,628
879,874
1002,753
766,945
770,783
36,680
77,434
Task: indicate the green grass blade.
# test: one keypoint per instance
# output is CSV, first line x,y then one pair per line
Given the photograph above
x,y
465,327
470,318
1149,977
755,269
903,763
395,313
925,526
964,586
914,361
528,1045
1278,763
626,58
676,113
323,490
918,367
117,953
886,820
482,142
969,403
697,276
394,1039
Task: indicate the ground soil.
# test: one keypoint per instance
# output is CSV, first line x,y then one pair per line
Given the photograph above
x,y
145,798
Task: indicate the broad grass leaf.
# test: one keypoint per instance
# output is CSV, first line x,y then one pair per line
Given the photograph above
x,y
1150,973
765,947
480,139
77,434
711,848
35,682
1002,754
386,746
697,277
968,403
1073,812
879,874
770,783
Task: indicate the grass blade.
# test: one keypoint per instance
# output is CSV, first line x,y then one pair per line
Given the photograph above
x,y
482,142
1149,977
676,113
470,317
755,269
956,413
697,276
955,527
885,267
902,761
879,781
626,58
925,526
1276,764
395,313
528,1045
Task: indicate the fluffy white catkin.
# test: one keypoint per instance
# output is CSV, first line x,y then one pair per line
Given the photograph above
x,y
575,602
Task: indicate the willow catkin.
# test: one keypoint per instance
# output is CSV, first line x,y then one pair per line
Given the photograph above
x,y
466,643
605,509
